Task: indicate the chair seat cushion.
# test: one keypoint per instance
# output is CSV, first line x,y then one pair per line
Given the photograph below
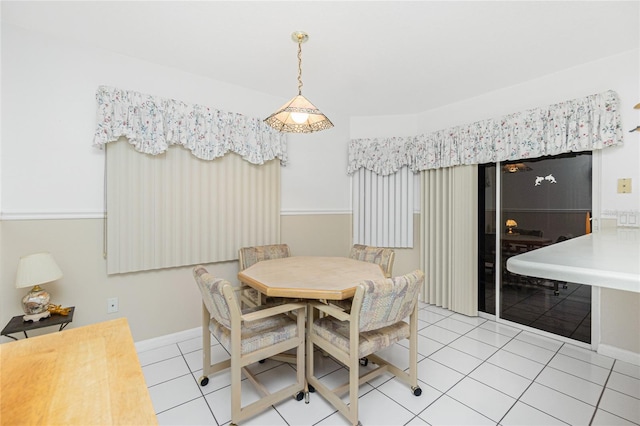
x,y
257,334
337,332
344,304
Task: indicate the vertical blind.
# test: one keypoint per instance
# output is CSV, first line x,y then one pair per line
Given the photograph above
x,y
175,209
449,235
383,208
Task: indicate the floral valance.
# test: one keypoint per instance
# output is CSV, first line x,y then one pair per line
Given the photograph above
x,y
152,123
583,124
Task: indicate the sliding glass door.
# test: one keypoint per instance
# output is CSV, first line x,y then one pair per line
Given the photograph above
x,y
523,206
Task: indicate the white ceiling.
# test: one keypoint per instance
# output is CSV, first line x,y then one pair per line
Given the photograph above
x,y
363,58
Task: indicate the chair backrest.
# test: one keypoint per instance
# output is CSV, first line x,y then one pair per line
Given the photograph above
x,y
379,255
389,301
248,256
211,289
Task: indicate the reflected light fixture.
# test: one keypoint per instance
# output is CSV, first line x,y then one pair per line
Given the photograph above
x,y
511,224
33,270
516,167
299,115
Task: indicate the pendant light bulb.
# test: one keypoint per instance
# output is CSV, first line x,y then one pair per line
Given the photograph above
x,y
299,117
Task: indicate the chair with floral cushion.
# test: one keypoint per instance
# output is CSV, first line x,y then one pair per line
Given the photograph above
x,y
375,322
248,256
383,256
249,336
379,255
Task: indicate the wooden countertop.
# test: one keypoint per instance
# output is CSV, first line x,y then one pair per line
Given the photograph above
x,y
83,376
607,258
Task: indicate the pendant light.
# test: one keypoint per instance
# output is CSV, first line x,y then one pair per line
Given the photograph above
x,y
299,115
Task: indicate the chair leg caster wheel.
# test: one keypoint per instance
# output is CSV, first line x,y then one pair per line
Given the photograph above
x,y
416,391
556,293
299,396
364,361
204,381
262,361
311,389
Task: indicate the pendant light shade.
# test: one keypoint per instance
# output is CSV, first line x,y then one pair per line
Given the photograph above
x,y
299,115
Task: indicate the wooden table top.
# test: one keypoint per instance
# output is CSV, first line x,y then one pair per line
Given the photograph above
x,y
310,277
83,376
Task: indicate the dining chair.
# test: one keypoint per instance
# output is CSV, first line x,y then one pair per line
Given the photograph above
x,y
375,322
249,336
248,256
379,255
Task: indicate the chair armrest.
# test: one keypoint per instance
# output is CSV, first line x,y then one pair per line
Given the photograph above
x,y
274,310
331,310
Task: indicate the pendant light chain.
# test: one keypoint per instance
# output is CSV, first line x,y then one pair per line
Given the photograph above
x,y
299,67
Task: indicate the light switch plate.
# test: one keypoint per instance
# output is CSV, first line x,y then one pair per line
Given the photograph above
x,y
624,186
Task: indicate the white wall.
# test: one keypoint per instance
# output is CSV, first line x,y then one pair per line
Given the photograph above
x,y
49,166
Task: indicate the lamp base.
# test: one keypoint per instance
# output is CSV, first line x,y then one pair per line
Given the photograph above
x,y
36,317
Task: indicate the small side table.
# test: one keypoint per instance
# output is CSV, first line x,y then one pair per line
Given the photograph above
x,y
16,324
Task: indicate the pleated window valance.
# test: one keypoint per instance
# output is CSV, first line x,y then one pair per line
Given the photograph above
x,y
583,124
151,124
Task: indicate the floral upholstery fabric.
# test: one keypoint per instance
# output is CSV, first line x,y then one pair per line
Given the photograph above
x,y
390,301
211,291
385,305
252,255
379,255
257,334
337,332
254,334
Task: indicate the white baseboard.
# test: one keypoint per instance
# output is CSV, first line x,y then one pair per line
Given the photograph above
x,y
621,354
157,342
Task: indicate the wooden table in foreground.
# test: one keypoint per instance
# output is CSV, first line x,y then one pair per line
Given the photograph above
x,y
310,277
83,376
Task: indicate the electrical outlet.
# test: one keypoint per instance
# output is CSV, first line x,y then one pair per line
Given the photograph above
x,y
112,305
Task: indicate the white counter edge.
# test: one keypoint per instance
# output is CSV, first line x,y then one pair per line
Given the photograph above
x,y
607,259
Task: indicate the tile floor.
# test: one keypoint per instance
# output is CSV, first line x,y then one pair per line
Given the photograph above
x,y
566,314
472,371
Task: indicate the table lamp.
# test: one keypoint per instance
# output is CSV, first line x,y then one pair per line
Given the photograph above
x,y
511,224
33,270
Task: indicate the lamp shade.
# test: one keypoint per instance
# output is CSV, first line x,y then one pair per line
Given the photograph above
x,y
511,223
516,167
298,116
38,268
